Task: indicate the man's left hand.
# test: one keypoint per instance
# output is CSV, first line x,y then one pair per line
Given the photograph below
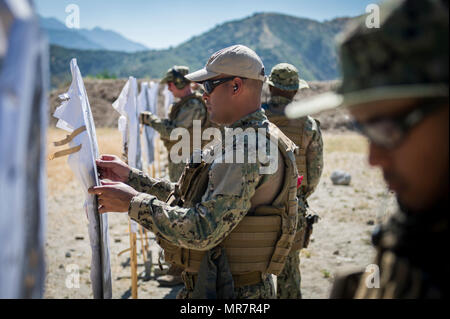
x,y
113,197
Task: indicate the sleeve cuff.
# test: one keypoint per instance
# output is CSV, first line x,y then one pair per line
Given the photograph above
x,y
139,203
133,177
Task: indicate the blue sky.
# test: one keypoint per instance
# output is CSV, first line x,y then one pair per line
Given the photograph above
x,y
163,23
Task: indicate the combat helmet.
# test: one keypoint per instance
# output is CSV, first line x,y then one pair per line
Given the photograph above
x,y
284,76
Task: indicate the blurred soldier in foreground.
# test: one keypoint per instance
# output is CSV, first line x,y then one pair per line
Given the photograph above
x,y
23,124
190,107
230,225
305,132
395,83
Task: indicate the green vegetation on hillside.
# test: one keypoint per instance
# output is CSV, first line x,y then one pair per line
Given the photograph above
x,y
306,43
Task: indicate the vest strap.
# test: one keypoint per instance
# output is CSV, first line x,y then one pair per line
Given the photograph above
x,y
248,279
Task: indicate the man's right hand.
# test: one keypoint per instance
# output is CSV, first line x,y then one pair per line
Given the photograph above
x,y
143,117
112,168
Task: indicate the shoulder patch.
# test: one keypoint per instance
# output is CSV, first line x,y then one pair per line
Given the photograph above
x,y
227,179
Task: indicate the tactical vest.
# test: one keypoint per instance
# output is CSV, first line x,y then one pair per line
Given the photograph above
x,y
262,240
175,110
295,131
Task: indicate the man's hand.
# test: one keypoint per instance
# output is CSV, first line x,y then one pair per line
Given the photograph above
x,y
113,197
144,116
112,168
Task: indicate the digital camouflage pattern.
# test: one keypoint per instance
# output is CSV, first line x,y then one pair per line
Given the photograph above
x,y
408,55
284,76
160,188
406,50
181,114
408,253
176,75
288,283
226,202
314,155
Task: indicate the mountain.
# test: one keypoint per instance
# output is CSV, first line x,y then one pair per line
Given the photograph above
x,y
111,40
95,39
306,43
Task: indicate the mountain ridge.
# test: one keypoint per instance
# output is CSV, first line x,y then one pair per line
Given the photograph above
x,y
85,39
306,43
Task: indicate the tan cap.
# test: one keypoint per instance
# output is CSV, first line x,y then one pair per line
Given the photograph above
x,y
237,60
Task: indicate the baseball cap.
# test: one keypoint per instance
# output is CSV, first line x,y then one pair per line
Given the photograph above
x,y
237,60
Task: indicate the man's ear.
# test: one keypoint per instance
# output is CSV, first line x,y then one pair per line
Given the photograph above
x,y
237,86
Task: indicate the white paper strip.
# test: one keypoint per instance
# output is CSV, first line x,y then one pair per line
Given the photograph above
x,y
147,100
73,114
127,107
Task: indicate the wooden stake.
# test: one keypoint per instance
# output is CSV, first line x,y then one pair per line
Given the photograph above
x,y
144,251
133,263
146,239
152,170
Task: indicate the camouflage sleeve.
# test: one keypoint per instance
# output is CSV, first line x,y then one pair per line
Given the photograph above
x,y
223,206
314,159
192,110
145,184
163,126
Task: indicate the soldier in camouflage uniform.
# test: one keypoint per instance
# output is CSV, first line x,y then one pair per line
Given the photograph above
x,y
230,225
305,132
395,84
191,107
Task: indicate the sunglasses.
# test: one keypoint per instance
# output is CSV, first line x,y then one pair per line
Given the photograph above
x,y
210,85
389,133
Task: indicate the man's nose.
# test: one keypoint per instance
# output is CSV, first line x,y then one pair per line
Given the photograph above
x,y
379,156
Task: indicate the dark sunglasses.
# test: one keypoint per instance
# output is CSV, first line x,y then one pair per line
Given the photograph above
x,y
210,85
389,133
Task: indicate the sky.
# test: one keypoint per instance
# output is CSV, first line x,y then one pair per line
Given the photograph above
x,y
160,24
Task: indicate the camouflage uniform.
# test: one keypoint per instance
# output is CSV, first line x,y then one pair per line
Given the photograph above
x,y
407,57
306,132
226,202
181,114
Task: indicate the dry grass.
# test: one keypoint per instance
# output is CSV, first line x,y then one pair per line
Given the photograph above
x,y
345,142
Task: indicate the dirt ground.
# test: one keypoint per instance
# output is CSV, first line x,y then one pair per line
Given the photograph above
x,y
341,239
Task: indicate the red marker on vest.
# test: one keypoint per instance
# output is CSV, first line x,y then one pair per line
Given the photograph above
x,y
299,181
